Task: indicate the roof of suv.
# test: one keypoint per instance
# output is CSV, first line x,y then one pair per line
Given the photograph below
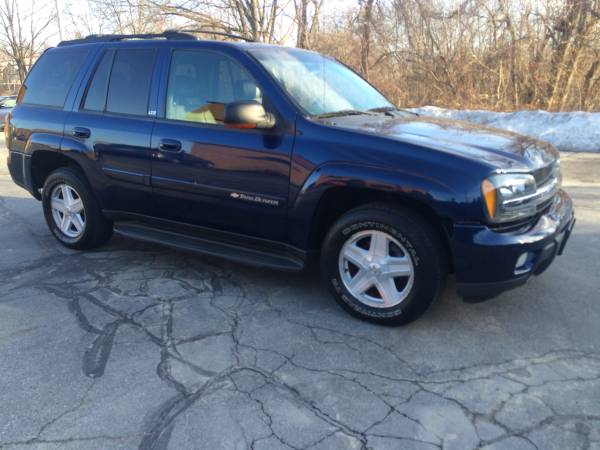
x,y
155,38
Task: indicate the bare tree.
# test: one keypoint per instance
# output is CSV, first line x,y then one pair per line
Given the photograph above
x,y
499,54
307,15
366,24
118,16
252,19
22,33
570,33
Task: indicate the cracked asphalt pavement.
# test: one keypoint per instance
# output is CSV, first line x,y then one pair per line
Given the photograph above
x,y
138,346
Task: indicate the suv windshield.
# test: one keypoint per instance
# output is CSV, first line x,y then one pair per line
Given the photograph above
x,y
320,85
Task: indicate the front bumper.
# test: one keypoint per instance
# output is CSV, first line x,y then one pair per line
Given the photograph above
x,y
485,260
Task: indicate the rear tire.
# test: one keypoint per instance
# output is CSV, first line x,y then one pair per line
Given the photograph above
x,y
384,264
72,212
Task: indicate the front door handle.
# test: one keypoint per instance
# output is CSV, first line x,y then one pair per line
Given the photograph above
x,y
169,145
81,132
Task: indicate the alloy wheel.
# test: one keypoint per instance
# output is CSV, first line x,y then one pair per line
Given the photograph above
x,y
376,269
68,211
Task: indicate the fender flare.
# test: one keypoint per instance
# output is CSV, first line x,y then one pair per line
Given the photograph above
x,y
431,192
54,143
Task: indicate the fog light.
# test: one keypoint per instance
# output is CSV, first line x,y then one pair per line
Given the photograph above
x,y
523,263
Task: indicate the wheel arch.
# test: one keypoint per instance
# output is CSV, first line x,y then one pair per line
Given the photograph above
x,y
43,162
46,154
332,191
338,201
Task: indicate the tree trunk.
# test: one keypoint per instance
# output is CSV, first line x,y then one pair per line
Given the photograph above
x,y
588,80
302,23
366,38
573,29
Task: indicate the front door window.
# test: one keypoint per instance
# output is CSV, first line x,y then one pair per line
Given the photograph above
x,y
201,83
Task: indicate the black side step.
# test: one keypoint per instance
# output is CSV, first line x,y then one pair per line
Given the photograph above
x,y
271,256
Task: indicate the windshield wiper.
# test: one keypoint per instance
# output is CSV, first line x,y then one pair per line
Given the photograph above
x,y
389,109
383,109
344,112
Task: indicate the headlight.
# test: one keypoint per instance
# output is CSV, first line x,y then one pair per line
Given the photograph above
x,y
508,197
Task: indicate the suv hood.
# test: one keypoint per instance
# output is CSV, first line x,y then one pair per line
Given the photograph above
x,y
501,149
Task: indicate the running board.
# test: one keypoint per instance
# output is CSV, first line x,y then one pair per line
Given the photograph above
x,y
257,252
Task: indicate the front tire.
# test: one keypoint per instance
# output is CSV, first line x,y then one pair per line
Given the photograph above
x,y
72,212
384,264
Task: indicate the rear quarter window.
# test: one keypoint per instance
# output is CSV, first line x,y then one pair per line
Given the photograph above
x,y
50,80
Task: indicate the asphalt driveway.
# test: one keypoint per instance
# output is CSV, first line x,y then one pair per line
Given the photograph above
x,y
138,346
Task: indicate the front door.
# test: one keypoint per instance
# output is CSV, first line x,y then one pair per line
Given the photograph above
x,y
204,173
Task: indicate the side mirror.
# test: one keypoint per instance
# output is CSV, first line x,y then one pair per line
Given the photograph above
x,y
248,115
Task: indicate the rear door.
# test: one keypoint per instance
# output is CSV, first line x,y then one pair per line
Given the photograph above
x,y
204,173
111,119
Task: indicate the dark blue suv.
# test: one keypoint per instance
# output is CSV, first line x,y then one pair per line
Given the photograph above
x,y
275,156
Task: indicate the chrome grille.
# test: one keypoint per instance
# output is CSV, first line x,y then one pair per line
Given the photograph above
x,y
543,175
542,207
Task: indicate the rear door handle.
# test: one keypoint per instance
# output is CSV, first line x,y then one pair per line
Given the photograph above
x,y
169,145
81,132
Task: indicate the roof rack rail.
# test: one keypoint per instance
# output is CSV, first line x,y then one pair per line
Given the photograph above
x,y
92,38
216,33
168,35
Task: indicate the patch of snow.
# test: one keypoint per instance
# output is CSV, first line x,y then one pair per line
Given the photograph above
x,y
576,131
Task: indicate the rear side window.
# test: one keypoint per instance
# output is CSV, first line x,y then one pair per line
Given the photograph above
x,y
129,84
51,78
95,99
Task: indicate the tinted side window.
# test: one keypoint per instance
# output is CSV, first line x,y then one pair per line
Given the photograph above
x,y
201,83
51,78
129,85
95,99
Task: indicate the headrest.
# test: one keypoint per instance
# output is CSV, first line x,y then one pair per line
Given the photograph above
x,y
247,90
